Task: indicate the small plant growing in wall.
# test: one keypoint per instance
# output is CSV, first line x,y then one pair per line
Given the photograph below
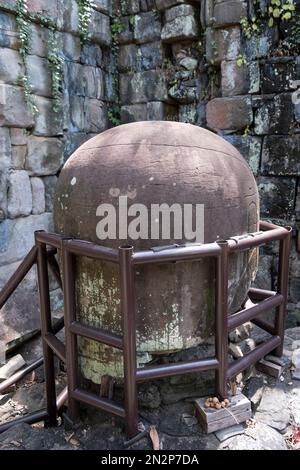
x,y
85,10
114,111
24,35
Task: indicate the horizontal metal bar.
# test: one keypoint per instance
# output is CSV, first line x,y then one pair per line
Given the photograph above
x,y
18,276
102,403
89,249
51,239
97,334
260,294
31,418
167,370
189,253
62,398
252,357
264,325
20,374
58,325
241,317
264,225
56,345
256,240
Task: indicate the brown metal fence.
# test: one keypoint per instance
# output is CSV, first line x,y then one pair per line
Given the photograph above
x,y
127,260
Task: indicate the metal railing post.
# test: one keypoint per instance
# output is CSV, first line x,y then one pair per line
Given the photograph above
x,y
46,327
68,275
283,275
129,339
221,319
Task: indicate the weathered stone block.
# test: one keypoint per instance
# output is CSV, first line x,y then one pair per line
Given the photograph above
x,y
47,122
8,4
126,35
250,147
103,5
19,201
127,57
275,116
5,162
71,47
147,27
92,55
95,115
13,109
181,10
262,45
93,82
45,156
183,27
229,12
229,113
164,4
150,56
18,156
280,155
44,6
100,28
38,195
18,136
39,41
277,196
10,66
76,113
223,44
159,111
133,113
20,235
69,18
239,80
188,113
185,91
143,87
39,76
278,75
8,31
72,142
49,187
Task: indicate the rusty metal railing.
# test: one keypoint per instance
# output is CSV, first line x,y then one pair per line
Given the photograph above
x,y
29,261
127,260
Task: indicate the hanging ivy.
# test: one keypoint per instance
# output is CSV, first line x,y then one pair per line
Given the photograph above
x,y
85,10
114,111
24,36
55,61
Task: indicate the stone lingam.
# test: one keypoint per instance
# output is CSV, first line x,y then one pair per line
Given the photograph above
x,y
155,163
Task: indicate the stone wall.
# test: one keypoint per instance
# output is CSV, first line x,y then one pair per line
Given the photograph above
x,y
33,149
191,61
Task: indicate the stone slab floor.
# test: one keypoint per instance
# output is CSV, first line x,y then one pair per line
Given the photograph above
x,y
276,417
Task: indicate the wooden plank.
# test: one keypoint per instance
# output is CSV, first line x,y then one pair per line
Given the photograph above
x,y
213,420
238,403
269,368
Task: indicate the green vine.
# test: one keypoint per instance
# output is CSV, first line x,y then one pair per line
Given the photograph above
x,y
276,11
114,111
85,10
24,36
55,61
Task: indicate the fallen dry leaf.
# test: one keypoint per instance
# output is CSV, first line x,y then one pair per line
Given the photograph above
x,y
74,442
16,443
154,438
67,438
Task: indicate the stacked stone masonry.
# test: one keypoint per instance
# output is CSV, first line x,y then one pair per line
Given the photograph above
x,y
34,148
176,60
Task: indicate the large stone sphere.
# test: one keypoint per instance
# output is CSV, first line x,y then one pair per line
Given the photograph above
x,y
154,163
